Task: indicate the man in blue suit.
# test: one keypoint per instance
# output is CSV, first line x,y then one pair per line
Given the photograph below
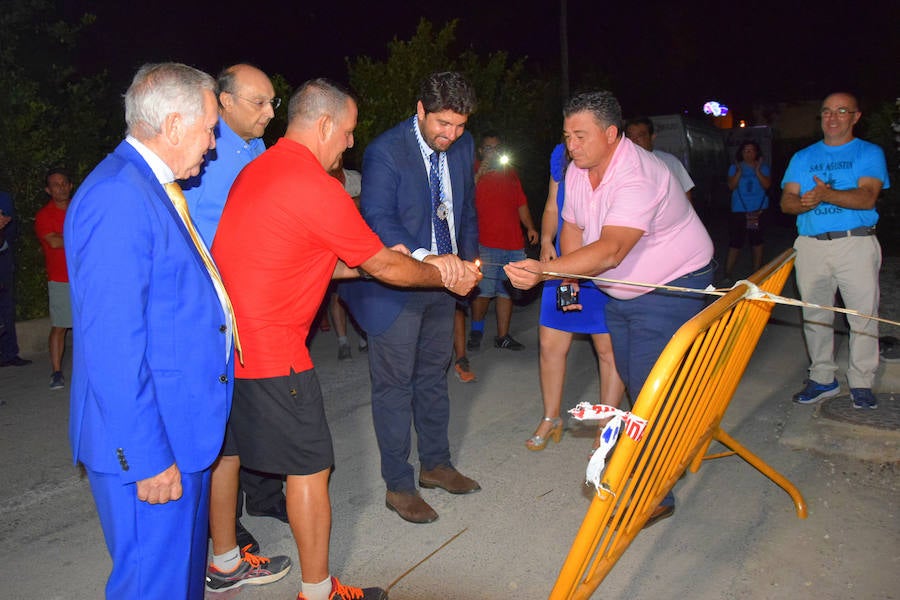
x,y
151,381
418,191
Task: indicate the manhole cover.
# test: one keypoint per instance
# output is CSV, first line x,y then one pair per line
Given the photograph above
x,y
886,416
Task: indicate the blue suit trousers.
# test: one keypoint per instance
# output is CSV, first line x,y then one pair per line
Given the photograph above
x,y
408,363
143,538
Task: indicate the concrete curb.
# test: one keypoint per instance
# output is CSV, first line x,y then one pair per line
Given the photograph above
x,y
32,335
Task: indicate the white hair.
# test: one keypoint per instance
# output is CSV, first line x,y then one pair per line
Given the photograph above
x,y
159,90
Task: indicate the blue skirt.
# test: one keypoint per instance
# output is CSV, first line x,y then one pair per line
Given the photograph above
x,y
590,319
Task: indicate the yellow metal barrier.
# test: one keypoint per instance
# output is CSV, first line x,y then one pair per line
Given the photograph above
x,y
683,401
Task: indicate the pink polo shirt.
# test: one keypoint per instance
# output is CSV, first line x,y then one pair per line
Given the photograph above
x,y
639,191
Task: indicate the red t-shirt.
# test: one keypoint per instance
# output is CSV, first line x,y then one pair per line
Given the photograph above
x,y
498,196
49,220
285,224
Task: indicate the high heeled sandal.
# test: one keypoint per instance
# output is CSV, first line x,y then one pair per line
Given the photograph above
x,y
538,442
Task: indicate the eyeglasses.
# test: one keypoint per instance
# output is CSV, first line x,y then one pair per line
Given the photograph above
x,y
275,102
837,112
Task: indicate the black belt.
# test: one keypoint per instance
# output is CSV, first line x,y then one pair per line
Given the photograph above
x,y
855,232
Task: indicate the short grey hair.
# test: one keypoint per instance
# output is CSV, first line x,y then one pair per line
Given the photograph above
x,y
602,105
315,98
161,89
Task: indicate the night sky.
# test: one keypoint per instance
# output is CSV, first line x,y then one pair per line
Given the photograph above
x,y
661,57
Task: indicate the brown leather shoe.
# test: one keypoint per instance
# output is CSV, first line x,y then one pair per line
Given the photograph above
x,y
448,478
659,513
410,506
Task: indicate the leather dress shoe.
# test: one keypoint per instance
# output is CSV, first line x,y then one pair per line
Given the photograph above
x,y
448,478
663,511
410,506
15,361
278,511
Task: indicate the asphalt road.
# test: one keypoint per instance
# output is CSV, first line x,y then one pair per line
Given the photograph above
x,y
734,535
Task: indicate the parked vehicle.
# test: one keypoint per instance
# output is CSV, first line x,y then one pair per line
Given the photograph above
x,y
701,148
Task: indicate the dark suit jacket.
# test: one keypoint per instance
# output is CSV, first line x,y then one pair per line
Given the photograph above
x,y
10,233
151,384
396,203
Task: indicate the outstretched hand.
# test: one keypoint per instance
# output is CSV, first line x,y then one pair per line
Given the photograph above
x,y
452,268
524,274
466,283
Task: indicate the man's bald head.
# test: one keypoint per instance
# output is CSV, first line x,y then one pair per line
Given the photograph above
x,y
247,100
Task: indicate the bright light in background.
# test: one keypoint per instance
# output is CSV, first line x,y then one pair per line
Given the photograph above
x,y
715,109
743,123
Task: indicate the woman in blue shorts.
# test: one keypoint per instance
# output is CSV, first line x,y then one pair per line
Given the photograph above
x,y
557,327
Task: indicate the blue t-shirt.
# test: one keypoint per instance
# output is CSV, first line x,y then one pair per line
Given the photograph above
x,y
841,168
749,195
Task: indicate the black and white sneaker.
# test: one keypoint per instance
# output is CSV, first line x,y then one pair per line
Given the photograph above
x,y
56,381
507,343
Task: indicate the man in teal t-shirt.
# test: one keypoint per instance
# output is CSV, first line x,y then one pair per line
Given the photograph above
x,y
832,187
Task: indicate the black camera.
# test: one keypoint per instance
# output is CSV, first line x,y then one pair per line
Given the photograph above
x,y
566,295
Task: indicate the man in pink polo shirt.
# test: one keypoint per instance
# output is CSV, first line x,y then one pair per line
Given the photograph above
x,y
627,217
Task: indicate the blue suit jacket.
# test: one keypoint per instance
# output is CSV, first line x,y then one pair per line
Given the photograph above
x,y
151,384
396,203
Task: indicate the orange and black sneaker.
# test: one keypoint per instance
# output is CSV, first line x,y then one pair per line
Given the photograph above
x,y
463,371
253,570
339,591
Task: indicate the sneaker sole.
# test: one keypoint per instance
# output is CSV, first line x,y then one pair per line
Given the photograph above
x,y
820,397
271,578
865,406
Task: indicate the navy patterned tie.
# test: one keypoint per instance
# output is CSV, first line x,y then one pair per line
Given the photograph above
x,y
438,210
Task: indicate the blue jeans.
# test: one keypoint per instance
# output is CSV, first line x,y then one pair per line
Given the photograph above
x,y
495,282
641,327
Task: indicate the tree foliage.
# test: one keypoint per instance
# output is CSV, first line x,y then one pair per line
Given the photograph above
x,y
882,127
510,100
52,116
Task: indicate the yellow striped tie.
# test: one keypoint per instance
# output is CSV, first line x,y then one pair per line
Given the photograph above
x,y
178,200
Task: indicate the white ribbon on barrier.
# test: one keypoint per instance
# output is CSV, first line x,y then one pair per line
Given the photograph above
x,y
618,420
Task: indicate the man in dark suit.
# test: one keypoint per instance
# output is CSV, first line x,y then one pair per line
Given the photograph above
x,y
151,381
9,345
418,191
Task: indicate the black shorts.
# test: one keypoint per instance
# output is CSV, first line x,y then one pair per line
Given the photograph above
x,y
737,230
277,425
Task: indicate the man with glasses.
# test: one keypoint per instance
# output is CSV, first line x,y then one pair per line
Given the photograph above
x,y
247,103
832,187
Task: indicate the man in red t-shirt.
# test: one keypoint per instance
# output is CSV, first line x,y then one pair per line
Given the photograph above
x,y
502,206
48,224
288,228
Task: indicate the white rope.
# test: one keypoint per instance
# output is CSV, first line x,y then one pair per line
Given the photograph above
x,y
751,293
